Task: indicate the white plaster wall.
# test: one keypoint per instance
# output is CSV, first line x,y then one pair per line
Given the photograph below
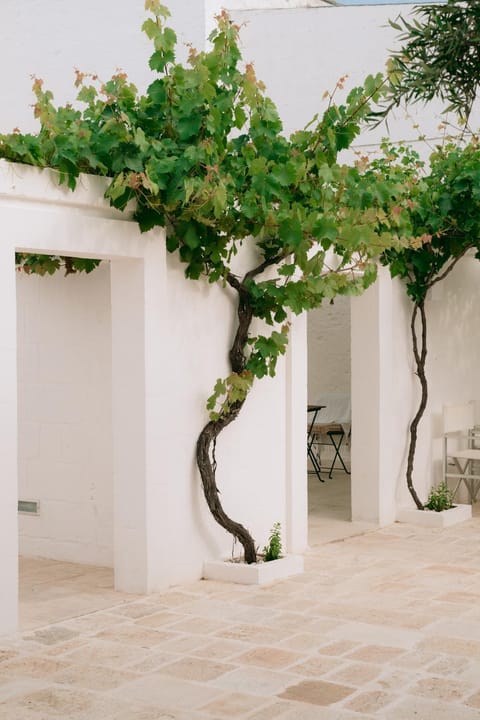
x,y
452,361
298,52
250,453
64,416
170,362
311,46
329,357
303,52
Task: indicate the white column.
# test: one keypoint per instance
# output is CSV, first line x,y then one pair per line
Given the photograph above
x,y
139,345
8,441
374,471
296,448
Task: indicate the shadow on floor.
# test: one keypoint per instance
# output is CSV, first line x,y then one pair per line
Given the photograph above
x,y
329,510
51,591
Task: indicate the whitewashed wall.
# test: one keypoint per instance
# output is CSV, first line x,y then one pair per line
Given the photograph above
x,y
64,399
452,363
329,356
299,53
167,340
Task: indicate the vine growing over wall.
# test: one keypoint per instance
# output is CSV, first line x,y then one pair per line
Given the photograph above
x,y
439,57
446,213
203,155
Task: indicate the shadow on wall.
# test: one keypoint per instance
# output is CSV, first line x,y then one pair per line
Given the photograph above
x,y
64,416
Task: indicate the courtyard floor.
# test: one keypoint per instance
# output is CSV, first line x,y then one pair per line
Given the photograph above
x,y
383,624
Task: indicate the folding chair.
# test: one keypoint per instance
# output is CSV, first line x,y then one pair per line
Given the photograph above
x,y
332,430
461,452
330,434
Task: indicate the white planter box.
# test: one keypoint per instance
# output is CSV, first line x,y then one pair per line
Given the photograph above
x,y
430,518
254,574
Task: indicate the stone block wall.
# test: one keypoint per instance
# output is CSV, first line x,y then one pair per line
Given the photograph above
x,y
64,416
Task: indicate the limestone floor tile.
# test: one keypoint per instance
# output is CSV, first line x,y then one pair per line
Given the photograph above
x,y
94,622
303,604
232,705
255,633
158,619
66,647
199,669
315,712
133,635
422,709
341,647
364,632
375,653
449,665
138,609
57,703
374,701
317,666
474,700
463,598
273,711
417,658
390,616
258,615
221,649
7,655
264,599
267,657
441,688
52,635
173,598
451,646
254,681
199,625
15,688
317,692
181,643
455,627
356,673
168,693
110,654
142,712
395,680
303,641
91,677
31,667
153,662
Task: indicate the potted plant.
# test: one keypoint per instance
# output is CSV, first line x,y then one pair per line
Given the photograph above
x,y
271,564
438,511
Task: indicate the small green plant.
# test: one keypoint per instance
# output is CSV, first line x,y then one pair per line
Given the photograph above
x,y
273,550
440,498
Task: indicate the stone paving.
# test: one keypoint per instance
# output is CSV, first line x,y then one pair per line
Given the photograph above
x,y
382,625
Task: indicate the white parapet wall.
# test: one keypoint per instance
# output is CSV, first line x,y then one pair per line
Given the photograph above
x,y
113,373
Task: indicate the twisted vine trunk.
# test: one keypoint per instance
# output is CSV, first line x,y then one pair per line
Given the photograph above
x,y
207,439
420,359
420,355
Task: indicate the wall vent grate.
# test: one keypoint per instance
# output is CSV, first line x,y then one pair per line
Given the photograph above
x,y
29,507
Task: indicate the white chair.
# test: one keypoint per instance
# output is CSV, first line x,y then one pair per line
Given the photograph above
x,y
461,451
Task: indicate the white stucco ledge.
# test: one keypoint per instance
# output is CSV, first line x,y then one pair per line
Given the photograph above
x,y
41,185
430,518
254,574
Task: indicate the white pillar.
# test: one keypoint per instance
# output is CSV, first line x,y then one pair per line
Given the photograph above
x,y
374,471
8,441
139,347
296,421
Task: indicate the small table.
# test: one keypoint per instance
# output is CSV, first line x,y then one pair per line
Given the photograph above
x,y
315,409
